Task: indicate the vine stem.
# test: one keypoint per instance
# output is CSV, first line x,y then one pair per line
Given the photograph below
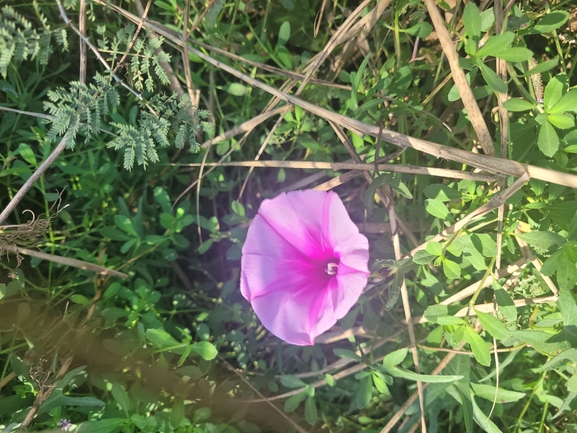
x,y
32,179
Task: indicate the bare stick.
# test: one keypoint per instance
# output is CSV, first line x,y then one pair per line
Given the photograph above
x,y
32,179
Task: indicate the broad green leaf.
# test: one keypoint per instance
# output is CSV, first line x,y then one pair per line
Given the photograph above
x,y
451,269
238,208
284,34
503,395
483,420
551,21
107,425
125,224
434,248
567,103
434,312
379,382
177,412
80,299
505,303
568,307
548,140
569,355
235,89
562,121
493,325
472,21
291,381
206,350
493,80
554,91
563,266
330,380
121,396
203,248
540,341
496,44
543,67
161,338
542,240
163,199
344,353
518,104
411,375
293,401
395,358
27,153
441,192
311,410
423,257
437,208
364,392
478,346
450,320
515,54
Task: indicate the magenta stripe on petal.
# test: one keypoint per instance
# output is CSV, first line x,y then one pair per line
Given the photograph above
x,y
304,264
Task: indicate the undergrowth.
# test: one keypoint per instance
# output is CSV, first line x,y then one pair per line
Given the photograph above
x,y
120,307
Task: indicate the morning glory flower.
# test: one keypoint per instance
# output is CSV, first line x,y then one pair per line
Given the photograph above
x,y
304,264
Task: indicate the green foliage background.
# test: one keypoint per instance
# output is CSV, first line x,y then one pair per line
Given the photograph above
x,y
174,346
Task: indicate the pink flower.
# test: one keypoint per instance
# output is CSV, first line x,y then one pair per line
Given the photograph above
x,y
304,264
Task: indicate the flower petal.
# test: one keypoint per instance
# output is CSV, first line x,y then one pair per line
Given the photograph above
x,y
298,217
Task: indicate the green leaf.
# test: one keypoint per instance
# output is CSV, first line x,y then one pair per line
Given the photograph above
x,y
311,410
161,196
441,192
344,353
80,299
238,208
548,140
503,395
293,401
203,248
554,91
543,67
384,179
107,425
472,21
434,248
27,153
518,104
482,420
395,358
121,397
496,44
206,350
284,34
551,21
515,54
540,341
506,304
364,392
291,381
177,412
562,121
542,240
125,224
493,325
160,338
493,80
567,103
379,382
561,264
478,346
436,208
330,380
235,89
423,258
569,355
451,269
434,312
450,320
411,375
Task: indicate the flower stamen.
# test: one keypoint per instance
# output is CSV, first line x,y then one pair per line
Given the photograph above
x,y
332,268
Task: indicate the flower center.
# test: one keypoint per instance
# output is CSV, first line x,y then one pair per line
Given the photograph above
x,y
332,268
